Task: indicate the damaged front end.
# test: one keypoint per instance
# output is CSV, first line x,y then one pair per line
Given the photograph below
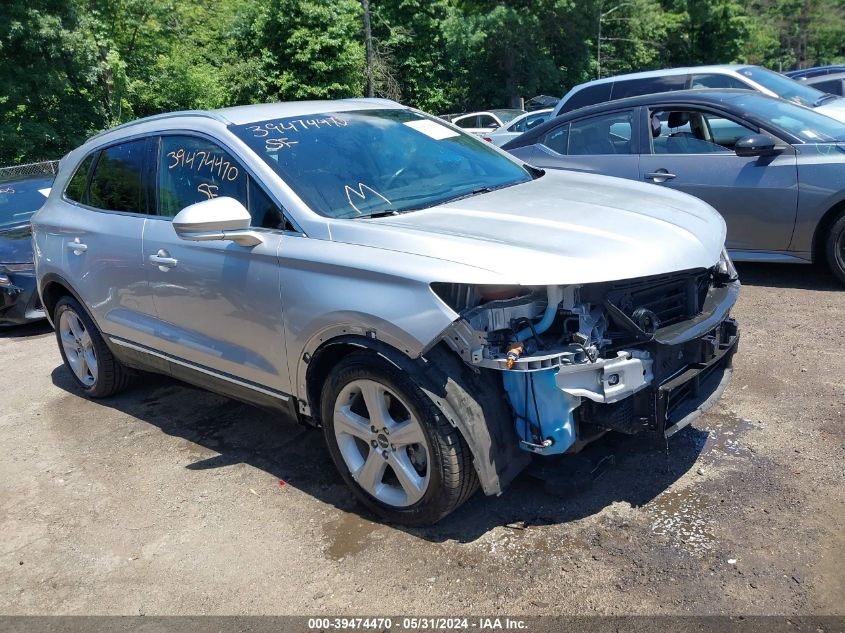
x,y
635,355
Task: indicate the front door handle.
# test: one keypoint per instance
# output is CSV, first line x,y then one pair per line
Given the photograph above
x,y
661,175
77,247
163,260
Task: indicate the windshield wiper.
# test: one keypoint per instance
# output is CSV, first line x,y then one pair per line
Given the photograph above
x,y
476,192
377,214
823,99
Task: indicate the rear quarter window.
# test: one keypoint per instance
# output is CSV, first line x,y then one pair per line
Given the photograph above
x,y
77,187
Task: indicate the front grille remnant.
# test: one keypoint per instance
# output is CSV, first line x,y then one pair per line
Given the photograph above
x,y
672,298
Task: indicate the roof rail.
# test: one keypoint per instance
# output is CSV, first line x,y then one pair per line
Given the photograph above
x,y
165,115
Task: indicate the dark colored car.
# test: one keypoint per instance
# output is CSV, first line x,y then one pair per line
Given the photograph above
x,y
19,200
817,71
773,169
832,84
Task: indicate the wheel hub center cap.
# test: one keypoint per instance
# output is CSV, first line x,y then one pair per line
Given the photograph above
x,y
382,440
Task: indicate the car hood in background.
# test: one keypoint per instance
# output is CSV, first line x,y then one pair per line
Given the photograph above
x,y
16,245
563,228
835,109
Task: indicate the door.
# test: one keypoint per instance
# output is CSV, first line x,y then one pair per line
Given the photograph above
x,y
218,303
103,249
693,151
602,144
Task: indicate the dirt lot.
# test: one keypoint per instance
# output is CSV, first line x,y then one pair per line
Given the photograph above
x,y
167,500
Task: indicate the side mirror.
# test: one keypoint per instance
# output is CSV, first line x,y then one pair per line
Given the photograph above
x,y
756,145
216,219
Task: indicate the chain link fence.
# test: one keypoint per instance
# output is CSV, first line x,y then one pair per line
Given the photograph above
x,y
30,170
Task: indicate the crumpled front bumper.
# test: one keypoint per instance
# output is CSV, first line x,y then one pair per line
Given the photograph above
x,y
690,366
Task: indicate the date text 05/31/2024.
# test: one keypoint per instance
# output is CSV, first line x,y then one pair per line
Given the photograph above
x,y
417,624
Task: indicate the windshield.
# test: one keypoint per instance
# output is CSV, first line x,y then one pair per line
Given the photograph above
x,y
784,87
368,162
808,125
19,200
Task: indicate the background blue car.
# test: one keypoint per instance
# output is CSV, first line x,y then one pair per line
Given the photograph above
x,y
19,199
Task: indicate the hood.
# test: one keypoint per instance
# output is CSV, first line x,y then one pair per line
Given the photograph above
x,y
16,245
835,109
563,228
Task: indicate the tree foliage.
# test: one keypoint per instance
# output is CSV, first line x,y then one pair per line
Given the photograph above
x,y
72,67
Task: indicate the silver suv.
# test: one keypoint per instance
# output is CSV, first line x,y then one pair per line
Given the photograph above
x,y
443,311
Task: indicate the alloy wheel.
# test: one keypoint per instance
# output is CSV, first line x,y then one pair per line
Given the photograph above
x,y
78,347
382,443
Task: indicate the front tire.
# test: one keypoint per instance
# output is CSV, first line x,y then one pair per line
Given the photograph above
x,y
835,248
392,445
93,367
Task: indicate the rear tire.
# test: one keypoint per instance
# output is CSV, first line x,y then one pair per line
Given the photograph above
x,y
391,444
835,248
90,362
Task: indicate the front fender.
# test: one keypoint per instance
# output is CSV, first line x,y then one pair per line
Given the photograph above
x,y
356,326
472,401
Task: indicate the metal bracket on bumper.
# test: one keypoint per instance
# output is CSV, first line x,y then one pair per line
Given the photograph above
x,y
678,401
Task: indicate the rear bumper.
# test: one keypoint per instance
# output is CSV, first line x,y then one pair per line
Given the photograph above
x,y
19,302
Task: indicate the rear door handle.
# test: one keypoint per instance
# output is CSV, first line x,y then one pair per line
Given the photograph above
x,y
661,175
77,247
163,260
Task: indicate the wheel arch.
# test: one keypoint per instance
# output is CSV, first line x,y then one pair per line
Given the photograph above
x,y
473,402
822,228
51,288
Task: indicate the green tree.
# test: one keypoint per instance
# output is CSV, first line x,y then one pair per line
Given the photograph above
x,y
497,53
705,31
54,80
298,49
411,63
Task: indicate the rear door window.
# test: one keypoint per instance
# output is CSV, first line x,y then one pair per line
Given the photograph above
x,y
118,180
467,121
487,121
604,134
558,139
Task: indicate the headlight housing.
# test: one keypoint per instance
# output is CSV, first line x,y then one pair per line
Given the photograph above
x,y
725,269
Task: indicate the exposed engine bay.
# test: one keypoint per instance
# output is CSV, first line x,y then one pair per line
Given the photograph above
x,y
632,355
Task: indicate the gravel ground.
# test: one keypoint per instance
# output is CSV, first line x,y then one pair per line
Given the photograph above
x,y
170,500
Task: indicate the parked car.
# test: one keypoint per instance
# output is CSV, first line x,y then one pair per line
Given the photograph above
x,y
19,199
541,102
483,122
831,84
817,71
727,76
774,170
520,124
443,311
